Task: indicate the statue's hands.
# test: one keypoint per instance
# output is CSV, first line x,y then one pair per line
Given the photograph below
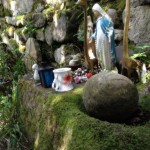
x,y
110,33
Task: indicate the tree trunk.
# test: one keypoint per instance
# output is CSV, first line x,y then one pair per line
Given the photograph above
x,y
126,28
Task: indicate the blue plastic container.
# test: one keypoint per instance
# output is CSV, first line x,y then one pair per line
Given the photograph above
x,y
46,76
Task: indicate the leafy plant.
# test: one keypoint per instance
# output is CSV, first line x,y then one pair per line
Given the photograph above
x,y
12,68
80,33
146,77
5,61
10,128
29,29
142,53
11,64
145,102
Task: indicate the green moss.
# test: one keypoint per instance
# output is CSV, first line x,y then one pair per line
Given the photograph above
x,y
3,24
20,17
59,121
119,4
4,11
18,31
1,11
145,102
140,86
13,44
47,11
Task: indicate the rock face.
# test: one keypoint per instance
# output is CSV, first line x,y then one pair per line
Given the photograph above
x,y
55,23
135,3
59,55
32,55
113,14
24,5
118,35
38,20
59,28
139,25
48,34
109,96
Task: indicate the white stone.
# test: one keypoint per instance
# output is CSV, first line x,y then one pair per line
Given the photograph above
x,y
59,55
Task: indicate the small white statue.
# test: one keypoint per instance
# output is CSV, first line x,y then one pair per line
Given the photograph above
x,y
143,73
89,27
76,60
36,74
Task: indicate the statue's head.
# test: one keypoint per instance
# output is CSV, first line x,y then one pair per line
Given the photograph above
x,y
97,10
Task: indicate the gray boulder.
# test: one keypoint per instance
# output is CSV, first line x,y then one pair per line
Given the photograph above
x,y
38,20
32,54
118,34
135,3
48,34
59,28
113,14
110,96
139,25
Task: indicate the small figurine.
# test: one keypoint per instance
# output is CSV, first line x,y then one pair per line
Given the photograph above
x,y
143,73
36,74
75,61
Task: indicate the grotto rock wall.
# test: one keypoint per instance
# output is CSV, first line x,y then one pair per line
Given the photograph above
x,y
53,24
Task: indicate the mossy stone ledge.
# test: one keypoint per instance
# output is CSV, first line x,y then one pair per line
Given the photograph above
x,y
58,121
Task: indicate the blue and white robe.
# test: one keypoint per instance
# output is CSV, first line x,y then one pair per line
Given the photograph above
x,y
105,45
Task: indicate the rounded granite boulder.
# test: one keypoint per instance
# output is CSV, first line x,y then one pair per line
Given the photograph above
x,y
110,96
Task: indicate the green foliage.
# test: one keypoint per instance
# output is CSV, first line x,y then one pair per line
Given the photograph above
x,y
12,68
3,66
4,11
80,33
18,69
1,11
47,11
145,102
138,55
11,64
20,17
29,29
141,53
13,44
119,4
146,77
10,128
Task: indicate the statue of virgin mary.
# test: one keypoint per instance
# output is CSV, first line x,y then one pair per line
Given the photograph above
x,y
104,39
